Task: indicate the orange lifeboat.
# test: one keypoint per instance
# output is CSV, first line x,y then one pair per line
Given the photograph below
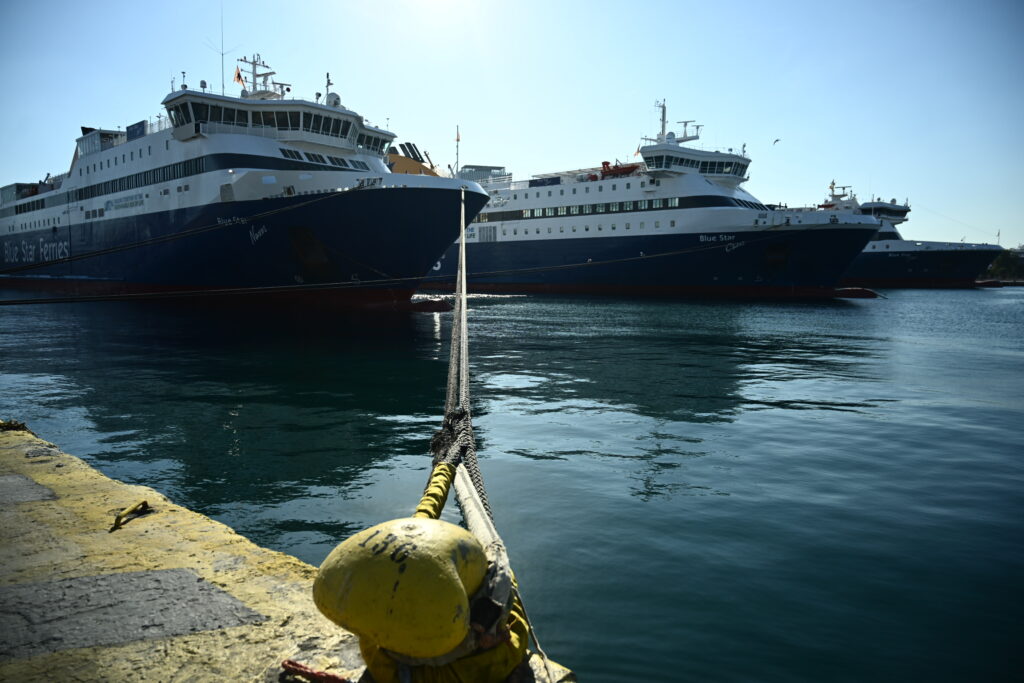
x,y
616,171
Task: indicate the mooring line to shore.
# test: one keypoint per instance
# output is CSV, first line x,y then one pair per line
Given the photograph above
x,y
422,593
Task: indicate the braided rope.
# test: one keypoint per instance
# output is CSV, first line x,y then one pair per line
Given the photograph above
x,y
455,443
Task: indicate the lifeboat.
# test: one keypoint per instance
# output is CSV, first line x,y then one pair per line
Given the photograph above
x,y
616,171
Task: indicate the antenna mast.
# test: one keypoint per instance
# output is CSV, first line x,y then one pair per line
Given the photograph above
x,y
222,47
271,90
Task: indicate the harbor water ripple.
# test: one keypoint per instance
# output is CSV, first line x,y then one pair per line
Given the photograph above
x,y
688,491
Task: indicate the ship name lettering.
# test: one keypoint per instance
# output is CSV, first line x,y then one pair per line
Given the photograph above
x,y
49,251
733,246
232,221
254,235
11,252
717,238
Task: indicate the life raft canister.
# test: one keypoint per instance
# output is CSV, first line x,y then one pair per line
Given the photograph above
x,y
403,584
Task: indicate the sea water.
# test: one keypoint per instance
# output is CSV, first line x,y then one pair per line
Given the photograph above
x,y
688,491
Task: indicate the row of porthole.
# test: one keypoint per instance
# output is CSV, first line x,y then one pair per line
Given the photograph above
x,y
126,157
586,228
561,192
600,188
31,225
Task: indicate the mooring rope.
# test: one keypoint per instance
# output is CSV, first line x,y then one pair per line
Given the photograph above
x,y
455,444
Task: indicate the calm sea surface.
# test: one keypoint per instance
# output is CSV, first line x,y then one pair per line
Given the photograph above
x,y
688,491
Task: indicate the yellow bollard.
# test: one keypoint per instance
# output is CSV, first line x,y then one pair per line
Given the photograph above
x,y
404,585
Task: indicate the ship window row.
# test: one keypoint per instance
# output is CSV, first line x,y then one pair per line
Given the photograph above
x,y
187,112
371,142
319,159
486,236
705,167
41,223
351,163
620,207
212,113
586,190
163,174
100,165
325,125
33,205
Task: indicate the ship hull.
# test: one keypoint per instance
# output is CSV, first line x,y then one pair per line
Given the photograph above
x,y
939,268
800,263
360,247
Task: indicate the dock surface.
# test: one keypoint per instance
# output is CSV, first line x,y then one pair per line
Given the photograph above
x,y
170,595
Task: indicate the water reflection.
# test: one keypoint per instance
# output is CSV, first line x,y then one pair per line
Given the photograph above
x,y
650,384
285,426
261,420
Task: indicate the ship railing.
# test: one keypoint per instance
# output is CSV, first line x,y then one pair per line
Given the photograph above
x,y
496,181
162,123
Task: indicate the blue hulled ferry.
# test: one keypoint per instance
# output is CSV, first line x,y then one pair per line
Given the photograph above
x,y
258,193
891,261
677,223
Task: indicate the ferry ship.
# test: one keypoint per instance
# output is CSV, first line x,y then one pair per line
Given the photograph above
x,y
889,261
288,198
677,223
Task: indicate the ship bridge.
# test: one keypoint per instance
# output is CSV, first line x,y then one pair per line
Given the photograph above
x,y
668,157
195,113
263,110
890,211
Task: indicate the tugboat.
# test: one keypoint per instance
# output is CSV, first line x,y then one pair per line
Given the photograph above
x,y
286,200
677,223
889,261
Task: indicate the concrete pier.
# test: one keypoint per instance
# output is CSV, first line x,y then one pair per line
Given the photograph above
x,y
171,595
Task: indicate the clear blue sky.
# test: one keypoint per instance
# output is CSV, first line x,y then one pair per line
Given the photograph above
x,y
912,100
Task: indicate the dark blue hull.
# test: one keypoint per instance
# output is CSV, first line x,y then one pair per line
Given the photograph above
x,y
771,264
950,268
364,246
